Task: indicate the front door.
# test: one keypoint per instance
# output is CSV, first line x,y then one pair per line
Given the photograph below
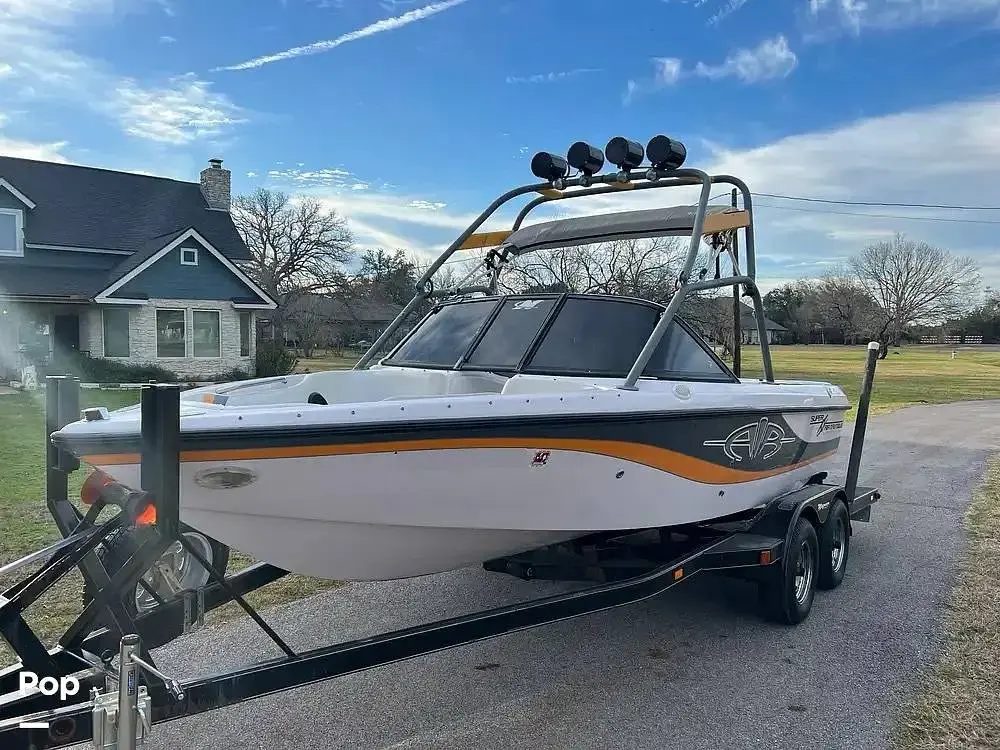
x,y
65,335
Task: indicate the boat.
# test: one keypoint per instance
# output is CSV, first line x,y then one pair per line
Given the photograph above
x,y
501,423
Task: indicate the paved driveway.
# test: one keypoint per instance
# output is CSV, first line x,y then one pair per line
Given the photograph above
x,y
693,668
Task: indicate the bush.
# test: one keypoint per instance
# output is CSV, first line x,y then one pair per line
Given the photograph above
x,y
274,360
96,370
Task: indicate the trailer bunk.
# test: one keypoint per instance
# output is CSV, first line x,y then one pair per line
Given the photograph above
x,y
792,545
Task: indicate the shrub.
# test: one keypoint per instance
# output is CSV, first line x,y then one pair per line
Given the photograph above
x,y
97,370
274,360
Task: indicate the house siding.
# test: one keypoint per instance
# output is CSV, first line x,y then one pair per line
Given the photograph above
x,y
167,278
142,337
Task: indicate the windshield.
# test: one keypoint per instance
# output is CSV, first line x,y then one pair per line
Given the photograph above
x,y
556,335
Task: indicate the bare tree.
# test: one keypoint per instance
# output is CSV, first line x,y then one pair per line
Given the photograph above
x,y
296,247
308,318
842,303
914,282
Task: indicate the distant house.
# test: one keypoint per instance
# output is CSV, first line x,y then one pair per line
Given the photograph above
x,y
123,266
714,314
333,321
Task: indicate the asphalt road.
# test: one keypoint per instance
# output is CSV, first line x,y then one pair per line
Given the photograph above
x,y
693,668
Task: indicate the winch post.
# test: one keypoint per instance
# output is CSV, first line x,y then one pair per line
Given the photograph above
x,y
861,422
160,446
62,406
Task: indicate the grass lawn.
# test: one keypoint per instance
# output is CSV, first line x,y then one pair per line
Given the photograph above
x,y
956,707
909,376
344,359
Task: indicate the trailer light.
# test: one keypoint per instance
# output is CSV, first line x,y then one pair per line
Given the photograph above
x,y
765,557
93,486
549,167
586,158
678,574
623,153
665,153
147,517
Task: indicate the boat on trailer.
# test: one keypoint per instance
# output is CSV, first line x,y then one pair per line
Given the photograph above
x,y
501,423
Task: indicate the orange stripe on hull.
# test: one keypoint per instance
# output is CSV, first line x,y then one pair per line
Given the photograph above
x,y
689,467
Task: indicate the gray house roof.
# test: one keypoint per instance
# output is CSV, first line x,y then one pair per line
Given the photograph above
x,y
78,206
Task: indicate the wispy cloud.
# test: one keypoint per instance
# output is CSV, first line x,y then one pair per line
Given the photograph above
x,y
379,27
30,149
185,109
167,39
852,16
36,40
727,9
552,77
769,60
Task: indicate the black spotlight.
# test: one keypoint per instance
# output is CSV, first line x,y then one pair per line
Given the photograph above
x,y
623,153
665,153
588,159
546,166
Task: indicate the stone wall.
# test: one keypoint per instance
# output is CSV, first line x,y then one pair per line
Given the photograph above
x,y
142,338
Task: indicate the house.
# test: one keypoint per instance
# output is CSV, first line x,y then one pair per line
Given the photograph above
x,y
713,316
123,266
318,320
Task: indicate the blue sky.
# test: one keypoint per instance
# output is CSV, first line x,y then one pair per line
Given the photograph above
x,y
410,115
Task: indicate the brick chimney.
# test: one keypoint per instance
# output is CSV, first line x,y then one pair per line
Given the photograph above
x,y
215,185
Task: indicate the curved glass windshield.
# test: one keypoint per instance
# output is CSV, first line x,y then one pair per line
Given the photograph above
x,y
588,336
445,335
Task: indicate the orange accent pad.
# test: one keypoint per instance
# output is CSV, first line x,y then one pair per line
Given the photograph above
x,y
689,467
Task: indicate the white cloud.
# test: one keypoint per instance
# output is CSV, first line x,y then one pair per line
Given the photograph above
x,y
552,77
29,149
386,24
182,111
5,70
727,9
167,39
36,40
770,59
668,70
855,15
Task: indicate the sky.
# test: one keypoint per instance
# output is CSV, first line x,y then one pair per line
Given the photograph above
x,y
410,116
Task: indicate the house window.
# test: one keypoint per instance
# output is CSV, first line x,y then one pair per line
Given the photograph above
x,y
170,333
246,322
11,232
116,338
189,256
207,333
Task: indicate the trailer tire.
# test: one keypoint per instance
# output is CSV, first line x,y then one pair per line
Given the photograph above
x,y
834,546
115,551
787,594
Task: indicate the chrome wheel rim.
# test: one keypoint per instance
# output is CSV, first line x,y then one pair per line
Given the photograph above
x,y
176,570
838,546
804,571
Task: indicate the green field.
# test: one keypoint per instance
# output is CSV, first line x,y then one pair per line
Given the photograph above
x,y
908,376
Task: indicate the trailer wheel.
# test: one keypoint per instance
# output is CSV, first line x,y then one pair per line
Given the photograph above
x,y
787,595
119,546
834,546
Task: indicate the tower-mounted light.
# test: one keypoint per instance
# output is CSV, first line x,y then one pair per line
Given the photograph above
x,y
623,153
586,158
665,153
549,167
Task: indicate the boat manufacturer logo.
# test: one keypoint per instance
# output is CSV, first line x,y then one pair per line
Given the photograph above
x,y
761,439
541,458
823,423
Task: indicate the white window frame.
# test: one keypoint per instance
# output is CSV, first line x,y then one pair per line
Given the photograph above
x,y
18,215
104,333
189,250
156,325
218,317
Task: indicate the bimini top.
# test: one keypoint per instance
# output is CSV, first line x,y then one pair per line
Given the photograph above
x,y
653,222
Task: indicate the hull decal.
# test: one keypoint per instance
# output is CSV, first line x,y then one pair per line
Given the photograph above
x,y
674,462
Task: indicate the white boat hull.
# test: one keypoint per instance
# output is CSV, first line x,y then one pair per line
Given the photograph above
x,y
378,516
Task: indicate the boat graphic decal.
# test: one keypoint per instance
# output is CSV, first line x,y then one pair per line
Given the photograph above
x,y
825,424
761,439
541,458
